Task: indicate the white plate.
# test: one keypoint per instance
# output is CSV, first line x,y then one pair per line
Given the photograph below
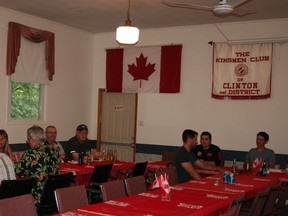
x,y
73,162
276,170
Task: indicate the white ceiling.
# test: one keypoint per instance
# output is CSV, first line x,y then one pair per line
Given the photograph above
x,y
98,16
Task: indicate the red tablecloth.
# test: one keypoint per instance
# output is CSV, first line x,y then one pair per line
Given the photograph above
x,y
83,172
197,198
250,184
183,202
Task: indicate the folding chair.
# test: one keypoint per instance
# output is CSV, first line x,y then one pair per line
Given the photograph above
x,y
271,200
139,169
48,203
113,190
171,173
282,198
19,205
135,185
70,198
235,206
168,155
12,188
101,174
257,206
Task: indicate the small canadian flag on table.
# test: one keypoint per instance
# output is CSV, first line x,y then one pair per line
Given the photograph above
x,y
144,69
257,164
163,183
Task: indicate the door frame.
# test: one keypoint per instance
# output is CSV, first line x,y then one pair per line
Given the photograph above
x,y
99,121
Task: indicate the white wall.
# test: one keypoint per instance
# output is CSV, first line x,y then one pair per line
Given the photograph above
x,y
80,71
233,123
69,95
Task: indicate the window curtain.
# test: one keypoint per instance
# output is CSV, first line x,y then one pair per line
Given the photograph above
x,y
31,63
15,32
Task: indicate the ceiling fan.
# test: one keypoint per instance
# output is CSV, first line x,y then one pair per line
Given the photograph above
x,y
224,7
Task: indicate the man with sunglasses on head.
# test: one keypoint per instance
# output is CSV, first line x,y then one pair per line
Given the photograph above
x,y
51,135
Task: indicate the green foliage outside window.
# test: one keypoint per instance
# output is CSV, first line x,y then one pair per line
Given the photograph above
x,y
25,100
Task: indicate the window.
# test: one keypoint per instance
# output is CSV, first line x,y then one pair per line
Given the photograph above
x,y
31,69
26,100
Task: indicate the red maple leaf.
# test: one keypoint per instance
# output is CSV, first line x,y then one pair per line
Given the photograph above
x,y
141,71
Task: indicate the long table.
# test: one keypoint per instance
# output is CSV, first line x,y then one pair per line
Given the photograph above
x,y
249,184
183,202
198,198
84,172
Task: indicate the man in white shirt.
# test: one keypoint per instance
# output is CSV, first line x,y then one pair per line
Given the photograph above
x,y
6,168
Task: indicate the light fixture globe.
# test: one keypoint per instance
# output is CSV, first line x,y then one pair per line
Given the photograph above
x,y
127,35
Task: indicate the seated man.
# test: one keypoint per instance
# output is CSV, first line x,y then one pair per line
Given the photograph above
x,y
6,168
185,160
80,143
51,134
206,151
39,161
261,153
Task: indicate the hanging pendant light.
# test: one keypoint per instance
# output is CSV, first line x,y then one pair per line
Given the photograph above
x,y
127,34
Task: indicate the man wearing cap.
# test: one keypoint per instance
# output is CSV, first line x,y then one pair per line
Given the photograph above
x,y
79,143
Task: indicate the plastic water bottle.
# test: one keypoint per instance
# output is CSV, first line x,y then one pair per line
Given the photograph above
x,y
264,169
234,167
81,158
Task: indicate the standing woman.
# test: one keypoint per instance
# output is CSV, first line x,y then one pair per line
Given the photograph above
x,y
4,144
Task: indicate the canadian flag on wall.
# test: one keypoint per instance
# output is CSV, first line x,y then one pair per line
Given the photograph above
x,y
144,69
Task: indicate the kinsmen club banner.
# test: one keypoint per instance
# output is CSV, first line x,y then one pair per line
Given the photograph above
x,y
242,71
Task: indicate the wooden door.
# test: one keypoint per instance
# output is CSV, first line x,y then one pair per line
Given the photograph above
x,y
117,122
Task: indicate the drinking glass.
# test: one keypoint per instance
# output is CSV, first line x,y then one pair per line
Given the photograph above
x,y
166,197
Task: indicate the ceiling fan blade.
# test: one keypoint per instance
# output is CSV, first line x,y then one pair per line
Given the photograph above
x,y
183,4
235,14
235,3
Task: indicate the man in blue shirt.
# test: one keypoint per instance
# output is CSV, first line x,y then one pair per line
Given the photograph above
x,y
185,160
